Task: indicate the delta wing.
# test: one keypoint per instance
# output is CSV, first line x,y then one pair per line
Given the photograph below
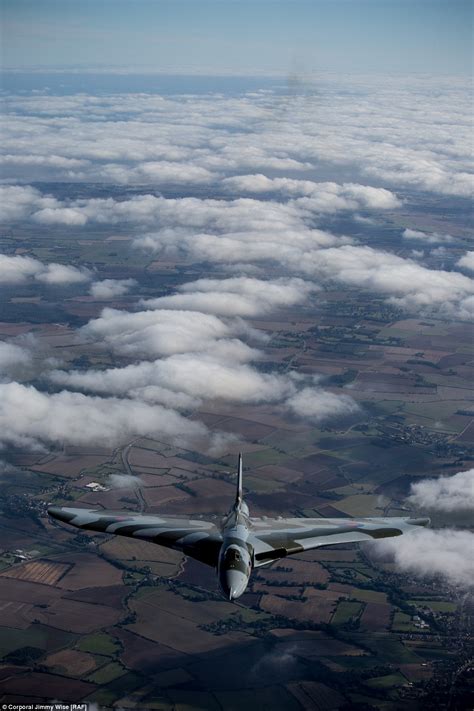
x,y
198,539
272,539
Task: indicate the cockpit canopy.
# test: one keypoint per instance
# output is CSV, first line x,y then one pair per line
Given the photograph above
x,y
232,555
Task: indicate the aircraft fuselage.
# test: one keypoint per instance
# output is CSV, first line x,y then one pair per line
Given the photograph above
x,y
235,558
242,542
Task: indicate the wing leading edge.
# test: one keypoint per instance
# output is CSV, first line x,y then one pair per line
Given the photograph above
x,y
269,539
276,538
198,539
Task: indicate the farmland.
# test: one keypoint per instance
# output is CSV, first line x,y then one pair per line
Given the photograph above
x,y
120,622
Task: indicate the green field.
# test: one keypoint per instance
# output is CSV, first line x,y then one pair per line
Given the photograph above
x,y
292,442
263,486
369,595
435,605
403,623
102,697
363,505
107,673
260,459
99,644
434,652
389,650
351,572
386,682
346,611
36,635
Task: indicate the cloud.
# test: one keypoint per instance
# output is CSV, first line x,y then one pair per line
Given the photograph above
x,y
199,376
160,173
8,469
184,381
467,261
58,274
446,493
318,255
151,138
276,662
242,214
111,288
42,160
158,332
123,481
18,202
29,417
201,357
427,237
14,360
445,553
317,404
439,252
237,296
15,270
320,197
372,198
59,215
248,230
190,346
409,284
19,269
287,247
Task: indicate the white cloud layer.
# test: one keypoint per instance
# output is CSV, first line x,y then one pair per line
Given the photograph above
x,y
377,128
444,553
123,481
111,288
317,404
158,332
467,261
407,283
190,346
29,417
18,269
14,360
199,376
249,230
446,493
237,296
319,197
201,357
427,237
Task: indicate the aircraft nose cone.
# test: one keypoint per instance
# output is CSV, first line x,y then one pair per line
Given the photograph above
x,y
235,584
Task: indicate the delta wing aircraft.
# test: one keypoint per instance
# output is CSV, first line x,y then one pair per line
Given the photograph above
x,y
241,543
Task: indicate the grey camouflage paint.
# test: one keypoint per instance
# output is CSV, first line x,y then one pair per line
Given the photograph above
x,y
242,543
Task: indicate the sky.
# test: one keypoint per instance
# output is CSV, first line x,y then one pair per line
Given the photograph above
x,y
246,36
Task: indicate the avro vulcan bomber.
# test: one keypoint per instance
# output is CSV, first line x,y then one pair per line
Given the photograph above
x,y
241,543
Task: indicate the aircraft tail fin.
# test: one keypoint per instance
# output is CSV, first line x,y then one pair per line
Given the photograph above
x,y
238,494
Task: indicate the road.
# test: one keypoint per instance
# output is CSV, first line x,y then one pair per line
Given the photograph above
x,y
126,465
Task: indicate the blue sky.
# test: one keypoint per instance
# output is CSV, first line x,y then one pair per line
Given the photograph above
x,y
431,36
